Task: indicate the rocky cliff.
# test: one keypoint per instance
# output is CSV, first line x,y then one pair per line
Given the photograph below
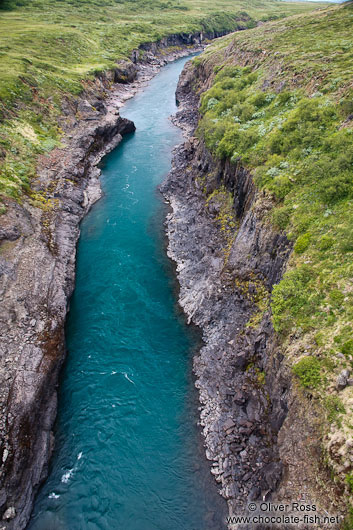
x,y
262,442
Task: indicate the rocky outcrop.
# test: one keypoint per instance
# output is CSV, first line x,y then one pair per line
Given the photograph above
x,y
37,266
228,258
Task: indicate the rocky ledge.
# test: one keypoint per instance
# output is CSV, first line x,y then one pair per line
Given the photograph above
x,y
228,258
37,269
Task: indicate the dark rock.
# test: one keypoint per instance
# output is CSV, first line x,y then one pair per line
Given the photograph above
x,y
342,379
254,493
271,474
126,72
10,234
228,424
237,421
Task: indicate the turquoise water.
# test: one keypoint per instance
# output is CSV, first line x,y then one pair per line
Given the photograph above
x,y
128,451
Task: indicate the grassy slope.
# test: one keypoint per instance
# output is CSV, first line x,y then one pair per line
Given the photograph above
x,y
47,47
288,116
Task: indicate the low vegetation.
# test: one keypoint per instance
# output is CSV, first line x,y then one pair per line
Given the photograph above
x,y
225,218
308,371
48,47
281,103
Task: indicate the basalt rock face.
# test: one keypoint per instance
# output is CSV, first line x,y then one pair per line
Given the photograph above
x,y
254,428
261,435
240,421
37,272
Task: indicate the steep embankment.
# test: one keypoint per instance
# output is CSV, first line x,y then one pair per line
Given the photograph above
x,y
260,228
38,266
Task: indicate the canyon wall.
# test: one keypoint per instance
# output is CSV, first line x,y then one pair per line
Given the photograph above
x,y
263,443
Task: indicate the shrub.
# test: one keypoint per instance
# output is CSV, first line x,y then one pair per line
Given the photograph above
x,y
284,97
308,371
346,105
336,187
280,216
294,299
258,99
212,102
346,240
347,347
334,408
336,297
302,243
230,71
281,186
325,242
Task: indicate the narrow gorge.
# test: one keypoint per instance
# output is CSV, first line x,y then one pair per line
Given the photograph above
x,y
182,234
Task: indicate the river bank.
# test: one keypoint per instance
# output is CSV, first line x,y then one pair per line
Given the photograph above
x,y
228,258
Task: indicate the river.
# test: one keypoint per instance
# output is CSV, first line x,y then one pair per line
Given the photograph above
x,y
128,452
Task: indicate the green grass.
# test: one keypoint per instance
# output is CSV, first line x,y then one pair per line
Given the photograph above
x,y
349,480
299,146
334,408
281,103
48,47
308,371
